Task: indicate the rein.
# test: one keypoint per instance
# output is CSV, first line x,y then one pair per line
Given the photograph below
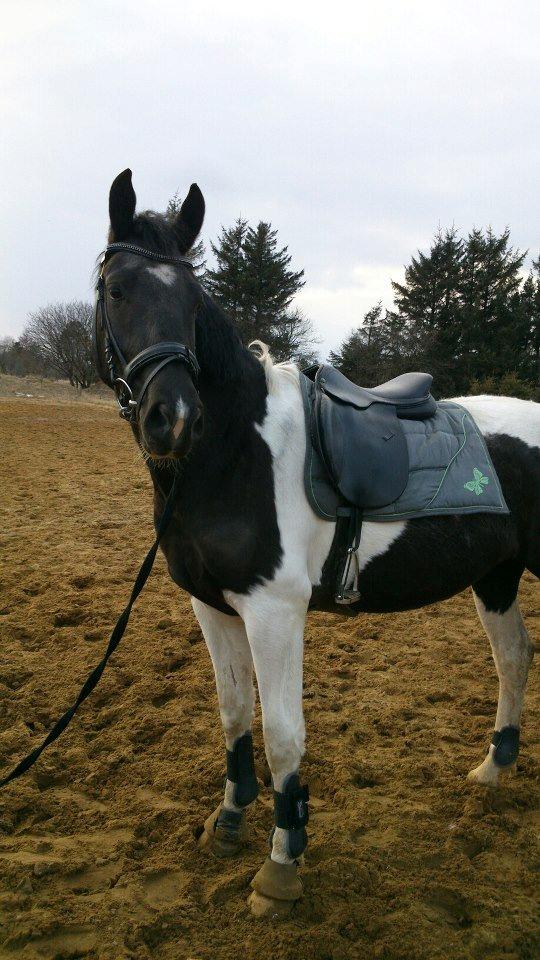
x,y
165,352
116,635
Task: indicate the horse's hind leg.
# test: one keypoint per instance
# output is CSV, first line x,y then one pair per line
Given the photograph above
x,y
225,829
496,602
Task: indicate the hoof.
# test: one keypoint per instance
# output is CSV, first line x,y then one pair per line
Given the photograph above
x,y
265,908
276,888
223,839
487,774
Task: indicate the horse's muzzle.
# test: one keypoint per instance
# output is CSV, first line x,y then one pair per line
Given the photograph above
x,y
165,434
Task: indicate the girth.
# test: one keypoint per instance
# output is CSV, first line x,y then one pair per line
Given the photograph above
x,y
165,352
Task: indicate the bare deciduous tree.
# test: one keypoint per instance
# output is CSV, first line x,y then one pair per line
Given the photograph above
x,y
62,333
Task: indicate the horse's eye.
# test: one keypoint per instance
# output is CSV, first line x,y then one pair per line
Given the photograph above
x,y
115,293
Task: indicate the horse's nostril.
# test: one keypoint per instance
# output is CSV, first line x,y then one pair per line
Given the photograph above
x,y
157,419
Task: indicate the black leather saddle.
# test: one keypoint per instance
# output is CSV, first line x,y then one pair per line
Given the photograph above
x,y
358,435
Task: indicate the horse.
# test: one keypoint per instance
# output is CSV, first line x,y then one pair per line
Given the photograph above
x,y
221,427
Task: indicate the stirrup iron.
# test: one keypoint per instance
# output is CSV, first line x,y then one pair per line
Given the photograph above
x,y
347,591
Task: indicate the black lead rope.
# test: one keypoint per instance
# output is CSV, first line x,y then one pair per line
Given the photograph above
x,y
117,634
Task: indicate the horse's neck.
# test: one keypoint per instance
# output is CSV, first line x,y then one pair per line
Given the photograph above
x,y
233,390
232,386
231,409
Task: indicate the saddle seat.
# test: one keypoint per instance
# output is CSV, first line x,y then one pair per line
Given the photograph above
x,y
357,433
409,393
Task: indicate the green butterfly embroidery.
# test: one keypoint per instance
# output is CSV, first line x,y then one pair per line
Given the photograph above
x,y
476,486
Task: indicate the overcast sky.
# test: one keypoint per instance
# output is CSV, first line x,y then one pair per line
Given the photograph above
x,y
356,129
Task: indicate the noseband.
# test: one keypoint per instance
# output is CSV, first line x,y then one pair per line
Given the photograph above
x,y
164,352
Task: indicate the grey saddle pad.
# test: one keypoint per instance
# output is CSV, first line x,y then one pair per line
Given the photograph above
x,y
428,467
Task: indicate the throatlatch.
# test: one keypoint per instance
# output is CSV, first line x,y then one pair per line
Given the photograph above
x,y
291,814
506,743
241,771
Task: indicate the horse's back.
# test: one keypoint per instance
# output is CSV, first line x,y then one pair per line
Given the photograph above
x,y
507,416
511,427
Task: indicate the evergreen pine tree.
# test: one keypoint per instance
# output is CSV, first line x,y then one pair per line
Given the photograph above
x,y
459,309
270,283
226,282
428,296
363,356
490,282
254,284
427,315
526,329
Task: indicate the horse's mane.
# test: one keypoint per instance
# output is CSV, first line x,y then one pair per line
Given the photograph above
x,y
219,347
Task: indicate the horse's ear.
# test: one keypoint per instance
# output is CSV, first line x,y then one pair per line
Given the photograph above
x,y
122,202
189,220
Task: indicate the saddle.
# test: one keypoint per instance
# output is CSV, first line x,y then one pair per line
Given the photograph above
x,y
383,453
357,432
358,449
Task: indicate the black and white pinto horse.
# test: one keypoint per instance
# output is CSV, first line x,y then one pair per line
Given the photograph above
x,y
245,544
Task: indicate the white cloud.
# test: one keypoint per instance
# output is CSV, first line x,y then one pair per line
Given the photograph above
x,y
356,130
336,310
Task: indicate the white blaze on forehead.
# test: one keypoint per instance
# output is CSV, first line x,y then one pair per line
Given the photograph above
x,y
163,272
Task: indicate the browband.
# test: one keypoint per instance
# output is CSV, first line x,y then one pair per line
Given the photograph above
x,y
149,254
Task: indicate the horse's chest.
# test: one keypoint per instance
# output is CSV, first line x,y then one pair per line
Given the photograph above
x,y
213,552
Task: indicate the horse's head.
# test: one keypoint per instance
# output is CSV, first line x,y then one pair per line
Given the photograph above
x,y
147,301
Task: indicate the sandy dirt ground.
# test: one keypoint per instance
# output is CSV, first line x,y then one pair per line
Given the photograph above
x,y
98,851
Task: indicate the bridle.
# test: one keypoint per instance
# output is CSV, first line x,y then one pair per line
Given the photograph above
x,y
165,352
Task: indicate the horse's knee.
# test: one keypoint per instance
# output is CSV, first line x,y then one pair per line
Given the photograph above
x,y
236,717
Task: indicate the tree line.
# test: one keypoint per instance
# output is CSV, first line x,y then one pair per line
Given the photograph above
x,y
466,312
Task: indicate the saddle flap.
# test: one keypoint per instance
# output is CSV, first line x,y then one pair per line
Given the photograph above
x,y
335,384
364,451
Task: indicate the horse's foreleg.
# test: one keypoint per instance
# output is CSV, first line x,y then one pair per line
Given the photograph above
x,y
225,636
275,629
512,653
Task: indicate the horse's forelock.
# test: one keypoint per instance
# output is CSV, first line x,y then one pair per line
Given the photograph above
x,y
155,232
